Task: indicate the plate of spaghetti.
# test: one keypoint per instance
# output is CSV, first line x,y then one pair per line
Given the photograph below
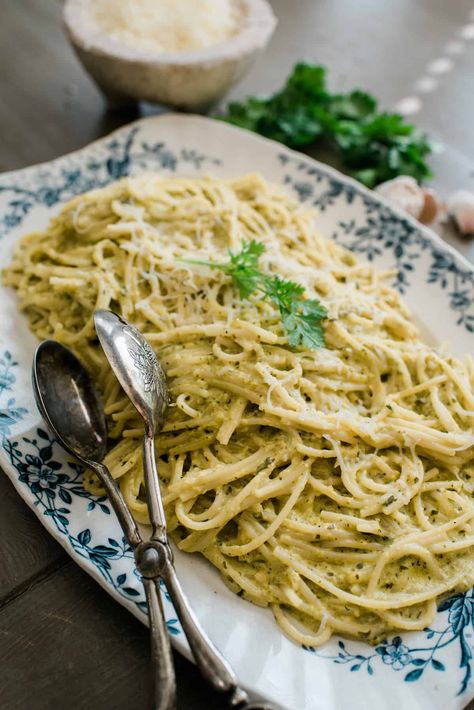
x,y
317,460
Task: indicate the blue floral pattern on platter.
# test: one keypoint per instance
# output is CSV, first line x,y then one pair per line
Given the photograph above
x,y
414,661
52,484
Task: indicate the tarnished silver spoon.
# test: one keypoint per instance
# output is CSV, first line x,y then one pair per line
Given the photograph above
x,y
70,405
143,380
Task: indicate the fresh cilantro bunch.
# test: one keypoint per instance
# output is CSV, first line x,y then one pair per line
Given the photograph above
x,y
301,317
374,146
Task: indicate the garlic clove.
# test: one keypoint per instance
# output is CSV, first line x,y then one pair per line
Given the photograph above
x,y
404,192
422,203
461,208
431,208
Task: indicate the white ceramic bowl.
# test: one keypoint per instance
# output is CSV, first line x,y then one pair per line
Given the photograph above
x,y
191,80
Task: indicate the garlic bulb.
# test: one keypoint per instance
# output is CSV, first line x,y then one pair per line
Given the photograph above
x,y
431,208
405,192
461,208
420,202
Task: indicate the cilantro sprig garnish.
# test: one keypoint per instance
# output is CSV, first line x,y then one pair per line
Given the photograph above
x,y
301,317
374,146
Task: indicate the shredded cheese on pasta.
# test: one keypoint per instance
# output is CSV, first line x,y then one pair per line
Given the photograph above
x,y
335,485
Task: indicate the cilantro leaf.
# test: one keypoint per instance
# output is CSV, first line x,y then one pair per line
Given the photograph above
x,y
302,333
302,324
249,255
281,292
353,106
313,310
308,79
246,279
243,267
247,115
374,146
301,318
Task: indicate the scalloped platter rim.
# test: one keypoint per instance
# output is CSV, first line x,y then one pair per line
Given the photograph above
x,y
430,669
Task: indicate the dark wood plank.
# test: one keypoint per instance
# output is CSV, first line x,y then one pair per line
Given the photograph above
x,y
26,549
67,644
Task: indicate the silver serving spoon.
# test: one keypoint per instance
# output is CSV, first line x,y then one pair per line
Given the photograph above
x,y
69,403
141,376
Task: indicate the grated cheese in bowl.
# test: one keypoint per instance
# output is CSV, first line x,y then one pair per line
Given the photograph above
x,y
167,25
182,53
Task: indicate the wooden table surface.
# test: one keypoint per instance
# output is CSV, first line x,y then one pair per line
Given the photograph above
x,y
63,642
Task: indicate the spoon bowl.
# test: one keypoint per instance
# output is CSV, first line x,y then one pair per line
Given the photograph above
x,y
136,367
69,402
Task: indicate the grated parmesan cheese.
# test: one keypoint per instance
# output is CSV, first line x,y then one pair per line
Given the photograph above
x,y
166,25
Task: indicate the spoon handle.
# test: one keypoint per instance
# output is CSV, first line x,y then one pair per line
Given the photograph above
x,y
118,503
212,665
152,490
164,679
